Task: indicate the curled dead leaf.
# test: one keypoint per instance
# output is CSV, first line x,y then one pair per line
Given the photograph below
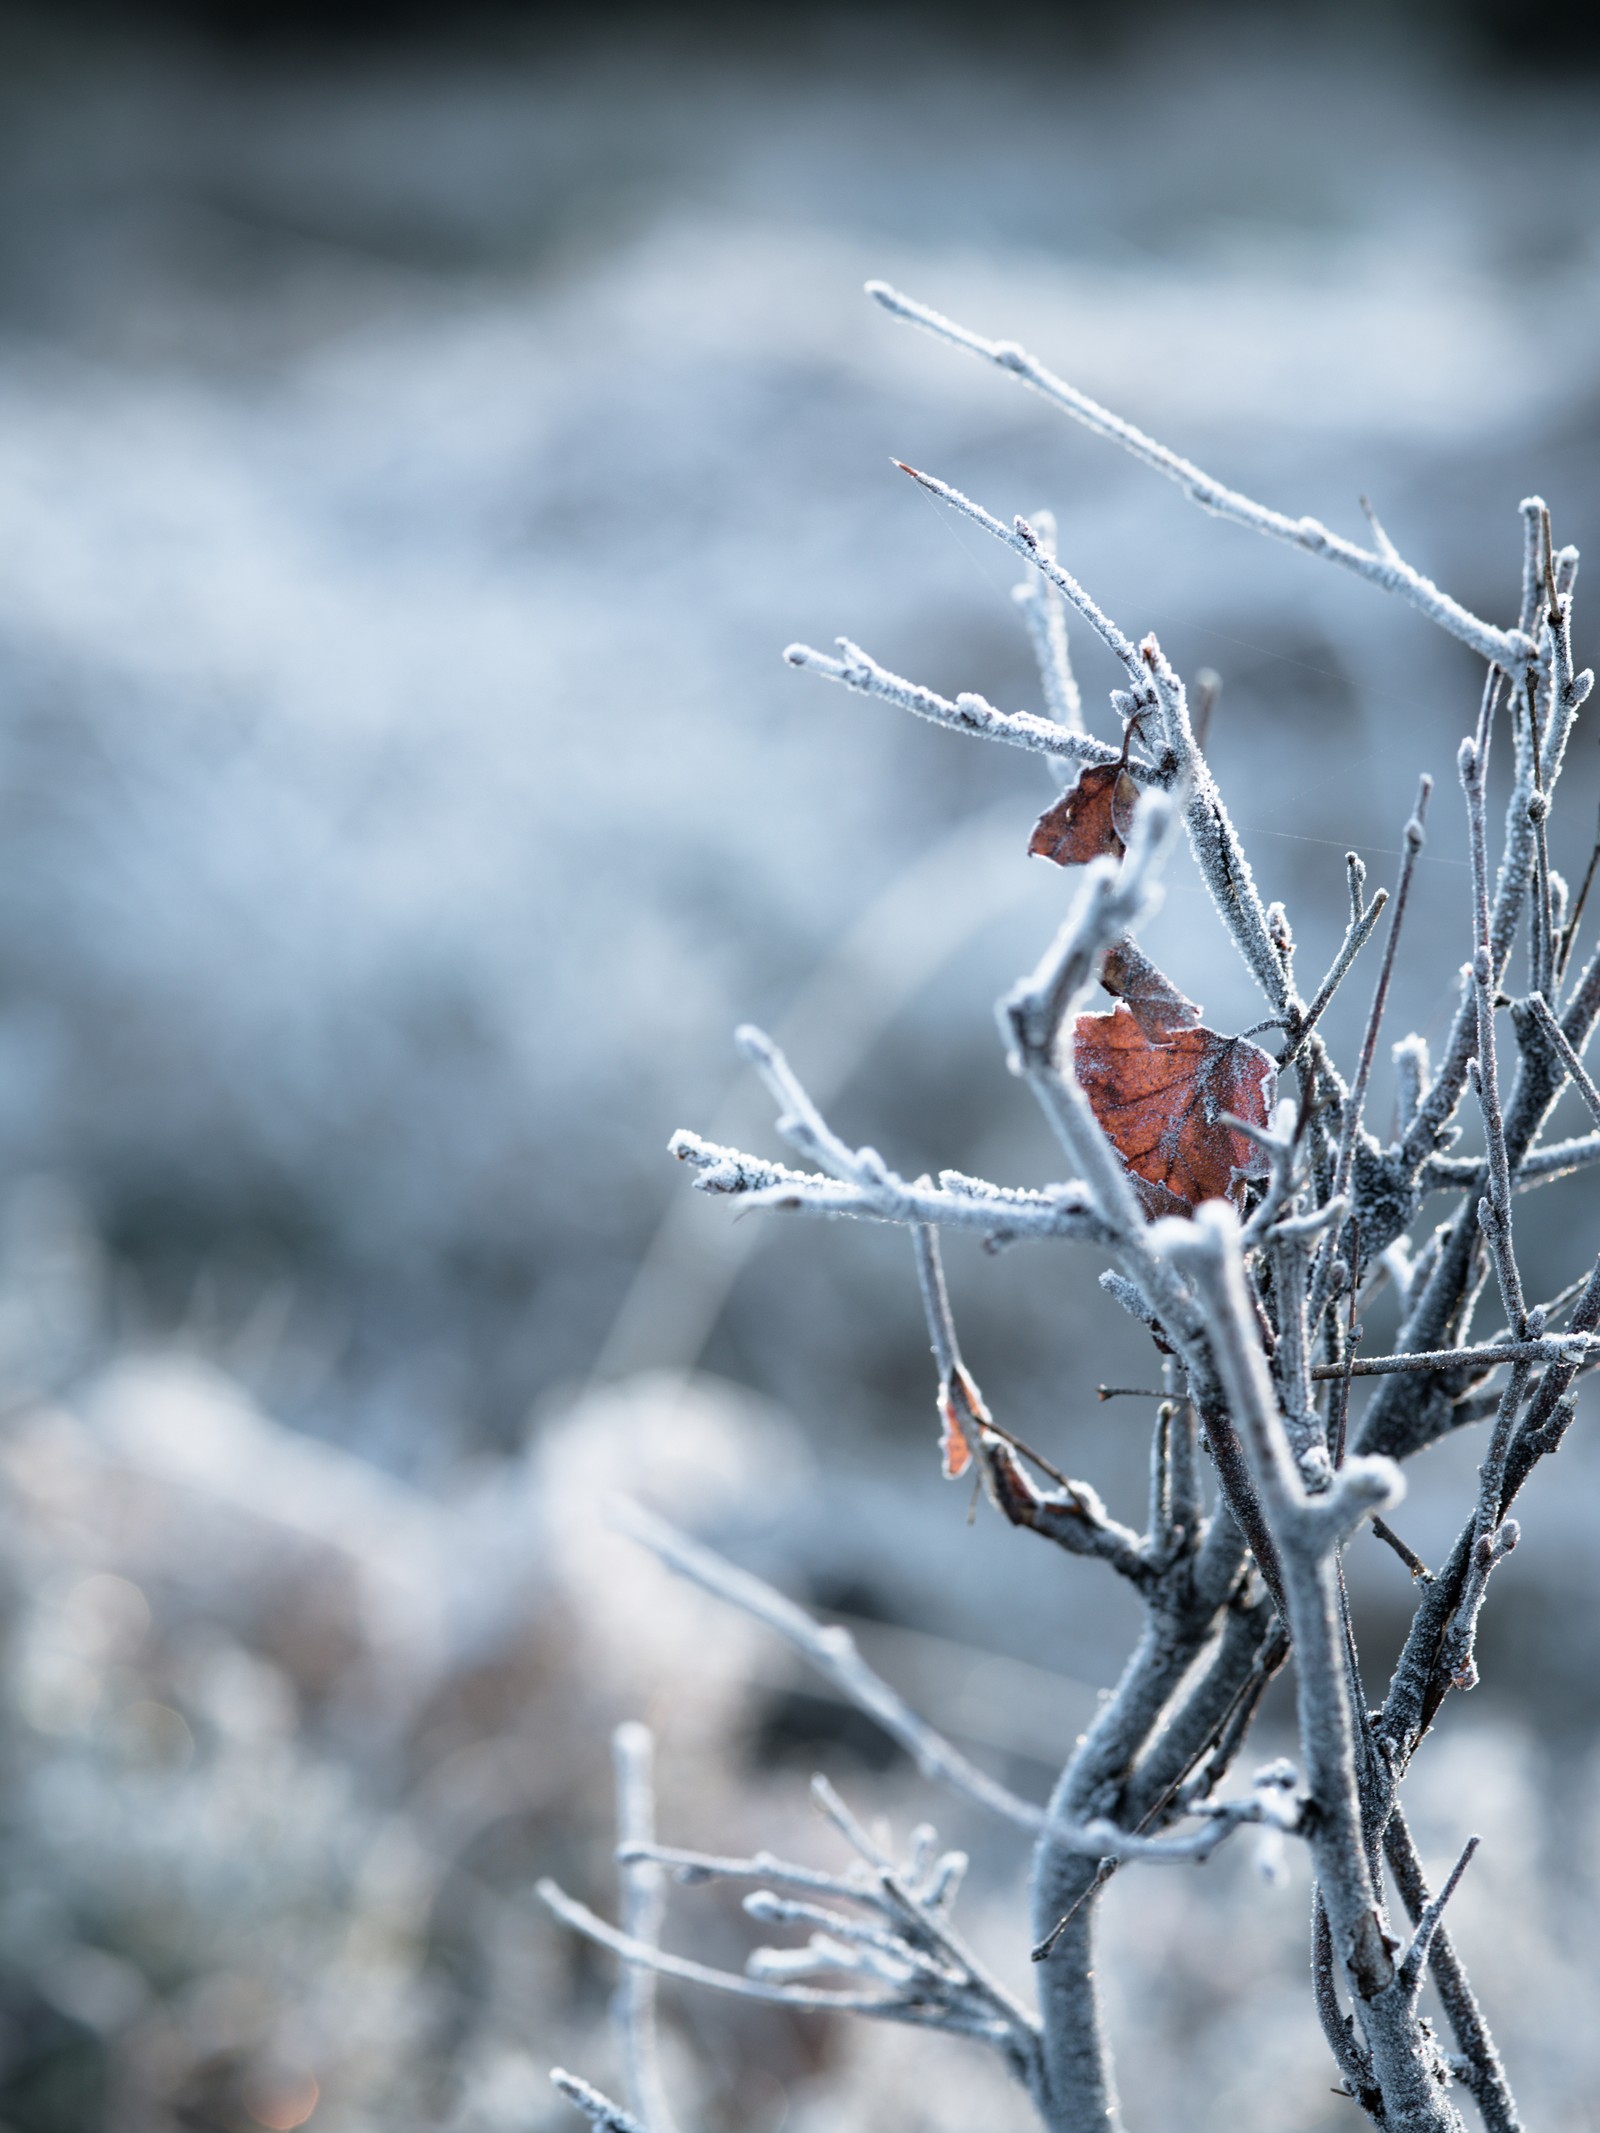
x,y
1091,820
1150,995
955,1455
1009,1485
962,1416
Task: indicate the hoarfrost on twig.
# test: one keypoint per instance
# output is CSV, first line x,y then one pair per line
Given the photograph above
x,y
1253,1301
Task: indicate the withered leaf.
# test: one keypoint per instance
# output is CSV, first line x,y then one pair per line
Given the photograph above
x,y
955,1454
1159,1088
962,1417
1014,1494
1091,819
1152,999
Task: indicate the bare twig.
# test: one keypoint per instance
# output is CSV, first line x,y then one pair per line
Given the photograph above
x,y
1510,649
1042,1950
1556,1037
808,1999
1357,934
996,1211
832,1651
1022,540
1569,931
1339,1401
1414,1962
1072,1515
1484,2073
1549,1348
1355,1103
1308,1530
1409,1556
601,2112
1494,1212
1045,614
857,670
643,1911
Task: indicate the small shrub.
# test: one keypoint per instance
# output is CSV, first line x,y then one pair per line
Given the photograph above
x,y
1247,1211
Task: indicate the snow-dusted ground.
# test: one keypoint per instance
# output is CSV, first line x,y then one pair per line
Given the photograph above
x,y
410,471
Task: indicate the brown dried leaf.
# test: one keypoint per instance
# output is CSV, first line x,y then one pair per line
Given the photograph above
x,y
1153,1000
1159,1089
955,1454
1009,1485
963,1416
1090,820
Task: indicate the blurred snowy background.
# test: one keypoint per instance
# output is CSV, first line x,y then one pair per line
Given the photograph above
x,y
416,447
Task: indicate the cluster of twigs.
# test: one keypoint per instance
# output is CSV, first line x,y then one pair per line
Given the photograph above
x,y
1253,1299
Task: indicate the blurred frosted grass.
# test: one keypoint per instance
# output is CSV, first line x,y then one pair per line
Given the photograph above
x,y
410,469
409,472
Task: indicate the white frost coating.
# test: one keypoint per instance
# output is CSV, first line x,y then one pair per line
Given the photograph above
x,y
857,670
1044,612
1022,540
1511,649
999,1211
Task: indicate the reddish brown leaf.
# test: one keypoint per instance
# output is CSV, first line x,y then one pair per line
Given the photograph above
x,y
1090,820
1153,1000
1009,1485
1159,1088
963,1415
954,1451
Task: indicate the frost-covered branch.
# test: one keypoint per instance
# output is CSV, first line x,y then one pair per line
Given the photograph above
x,y
643,1910
1045,613
1542,1167
1556,1037
880,1920
889,2006
1510,649
1414,1963
883,1929
832,1651
1482,2071
1494,1210
1005,1214
1022,540
857,670
1548,1348
1215,843
1072,1514
1308,1530
1252,1287
1363,923
1350,1131
601,2112
1156,688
